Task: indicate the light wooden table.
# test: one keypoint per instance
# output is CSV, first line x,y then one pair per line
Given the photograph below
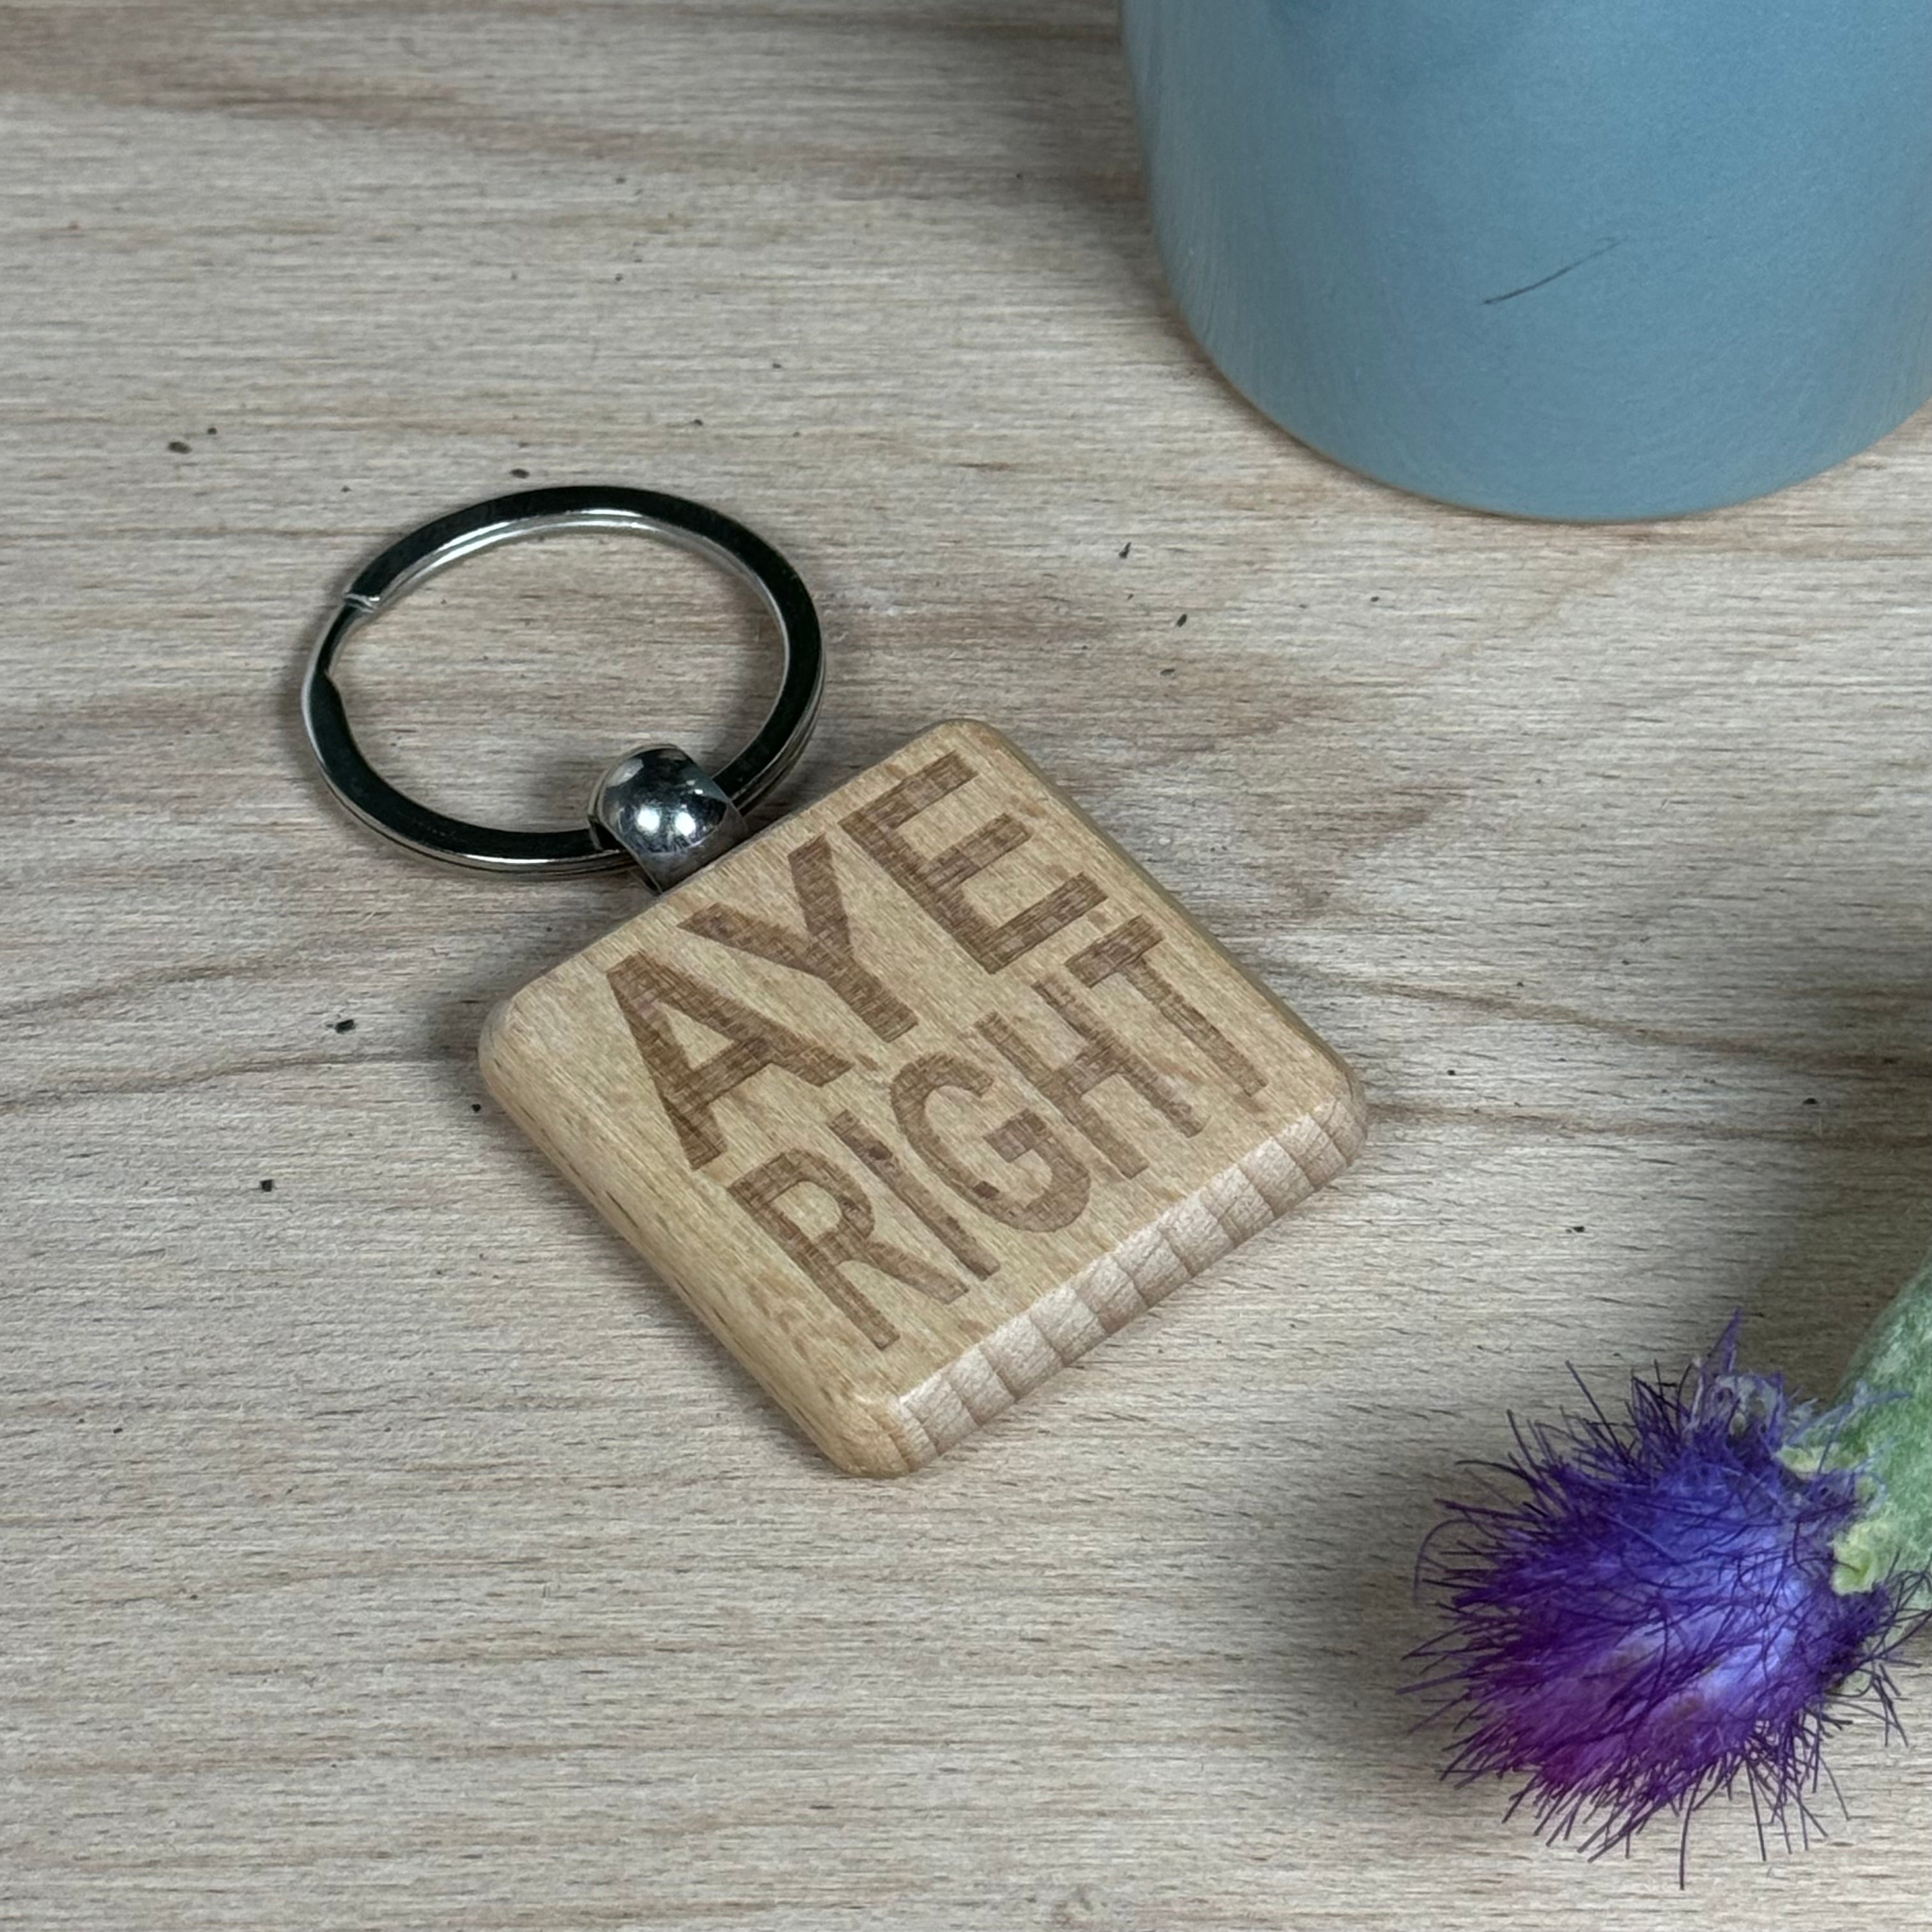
x,y
384,1550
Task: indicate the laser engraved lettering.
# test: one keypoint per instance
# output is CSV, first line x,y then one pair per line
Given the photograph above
x,y
823,949
1061,1197
1105,1056
886,1165
849,1241
888,1140
1125,951
644,986
936,883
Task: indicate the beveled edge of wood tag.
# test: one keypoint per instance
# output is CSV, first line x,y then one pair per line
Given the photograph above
x,y
915,1378
1033,1345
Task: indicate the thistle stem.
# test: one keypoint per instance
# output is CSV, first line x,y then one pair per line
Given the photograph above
x,y
1884,1428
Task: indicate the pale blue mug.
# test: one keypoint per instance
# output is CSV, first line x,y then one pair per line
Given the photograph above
x,y
1575,258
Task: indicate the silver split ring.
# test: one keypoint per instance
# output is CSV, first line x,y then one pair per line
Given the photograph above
x,y
656,808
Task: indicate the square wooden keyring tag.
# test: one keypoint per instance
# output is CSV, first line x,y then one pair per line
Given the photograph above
x,y
917,1095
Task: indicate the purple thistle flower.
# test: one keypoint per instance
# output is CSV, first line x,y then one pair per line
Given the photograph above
x,y
1648,1616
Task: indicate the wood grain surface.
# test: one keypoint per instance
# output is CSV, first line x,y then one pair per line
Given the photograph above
x,y
382,1548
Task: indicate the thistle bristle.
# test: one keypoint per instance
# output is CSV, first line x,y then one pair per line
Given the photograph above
x,y
1642,1616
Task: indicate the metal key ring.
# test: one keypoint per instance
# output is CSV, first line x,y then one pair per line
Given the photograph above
x,y
656,808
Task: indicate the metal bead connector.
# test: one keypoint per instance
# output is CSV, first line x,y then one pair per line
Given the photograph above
x,y
668,812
